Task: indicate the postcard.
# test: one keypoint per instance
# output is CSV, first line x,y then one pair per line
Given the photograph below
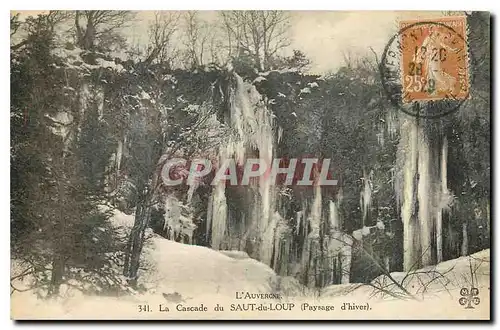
x,y
250,165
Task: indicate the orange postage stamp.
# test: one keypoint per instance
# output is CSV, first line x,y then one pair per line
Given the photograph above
x,y
434,59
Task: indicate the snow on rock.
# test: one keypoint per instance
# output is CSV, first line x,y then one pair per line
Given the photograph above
x,y
172,266
444,279
259,79
286,70
359,233
178,220
289,286
196,271
109,64
60,123
175,267
176,273
380,225
145,96
448,276
64,52
122,220
305,90
235,254
194,275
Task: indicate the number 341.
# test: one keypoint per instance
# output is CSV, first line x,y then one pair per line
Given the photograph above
x,y
419,84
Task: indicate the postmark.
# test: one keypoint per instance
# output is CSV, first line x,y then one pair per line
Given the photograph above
x,y
425,67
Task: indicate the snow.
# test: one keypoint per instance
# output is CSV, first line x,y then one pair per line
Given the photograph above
x,y
357,235
75,56
191,273
285,70
305,90
235,254
61,123
195,274
177,219
360,233
109,64
380,225
67,53
253,130
196,271
145,96
259,79
121,220
443,280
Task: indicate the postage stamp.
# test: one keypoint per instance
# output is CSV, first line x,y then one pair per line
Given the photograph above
x,y
425,66
434,61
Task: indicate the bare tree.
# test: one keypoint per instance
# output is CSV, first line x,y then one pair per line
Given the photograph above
x,y
260,34
14,24
196,38
46,22
161,32
99,24
202,41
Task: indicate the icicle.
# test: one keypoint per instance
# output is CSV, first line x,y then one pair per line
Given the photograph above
x,y
280,229
334,216
311,247
408,159
268,223
366,196
444,193
219,215
424,193
340,196
280,134
298,218
391,123
84,103
464,250
266,240
191,190
172,223
209,214
387,263
252,126
315,216
119,154
100,105
61,125
381,139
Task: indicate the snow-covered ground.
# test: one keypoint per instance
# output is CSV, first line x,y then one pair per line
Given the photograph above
x,y
186,275
196,271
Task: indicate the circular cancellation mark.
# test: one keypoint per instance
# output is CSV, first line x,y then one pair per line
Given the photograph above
x,y
425,67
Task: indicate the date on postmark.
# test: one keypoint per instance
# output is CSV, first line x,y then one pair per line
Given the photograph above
x,y
434,59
